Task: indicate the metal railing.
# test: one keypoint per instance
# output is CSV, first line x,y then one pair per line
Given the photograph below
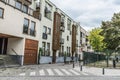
x,y
14,51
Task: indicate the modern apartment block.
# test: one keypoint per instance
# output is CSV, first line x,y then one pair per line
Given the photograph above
x,y
26,26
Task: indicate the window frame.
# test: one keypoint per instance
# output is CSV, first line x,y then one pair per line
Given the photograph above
x,y
69,21
25,6
67,38
20,6
28,25
2,12
45,29
31,27
50,13
43,54
49,31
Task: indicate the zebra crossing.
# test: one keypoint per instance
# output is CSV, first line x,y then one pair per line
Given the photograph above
x,y
54,72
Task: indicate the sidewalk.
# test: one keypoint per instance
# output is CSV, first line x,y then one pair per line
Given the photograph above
x,y
99,71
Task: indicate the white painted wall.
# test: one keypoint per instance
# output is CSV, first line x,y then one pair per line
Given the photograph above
x,y
17,44
13,20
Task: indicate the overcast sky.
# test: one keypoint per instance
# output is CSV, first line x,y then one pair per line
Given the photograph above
x,y
89,13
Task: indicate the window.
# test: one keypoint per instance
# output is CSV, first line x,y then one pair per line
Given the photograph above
x,y
32,28
46,52
44,47
1,12
69,24
62,50
48,10
25,26
48,49
44,36
67,38
25,8
44,29
49,30
62,20
69,51
18,5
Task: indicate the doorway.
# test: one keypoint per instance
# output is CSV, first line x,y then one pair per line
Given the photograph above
x,y
3,46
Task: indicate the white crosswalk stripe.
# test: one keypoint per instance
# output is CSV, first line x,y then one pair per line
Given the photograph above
x,y
22,74
50,72
53,72
65,71
58,72
42,73
76,73
32,73
84,73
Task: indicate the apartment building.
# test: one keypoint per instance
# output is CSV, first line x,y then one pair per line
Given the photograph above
x,y
28,26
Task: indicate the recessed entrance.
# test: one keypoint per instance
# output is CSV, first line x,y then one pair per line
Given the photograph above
x,y
3,45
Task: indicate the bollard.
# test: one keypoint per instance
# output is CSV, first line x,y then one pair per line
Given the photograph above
x,y
81,68
103,71
73,65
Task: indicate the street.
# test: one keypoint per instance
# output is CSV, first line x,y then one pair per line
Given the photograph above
x,y
52,72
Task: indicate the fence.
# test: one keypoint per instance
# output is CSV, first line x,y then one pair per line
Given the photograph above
x,y
90,57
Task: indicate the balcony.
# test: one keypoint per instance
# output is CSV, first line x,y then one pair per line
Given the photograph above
x,y
62,28
25,9
61,41
70,32
27,2
44,36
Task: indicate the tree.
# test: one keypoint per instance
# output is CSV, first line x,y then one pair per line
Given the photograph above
x,y
96,40
111,33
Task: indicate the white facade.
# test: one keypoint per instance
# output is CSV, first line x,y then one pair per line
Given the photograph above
x,y
11,27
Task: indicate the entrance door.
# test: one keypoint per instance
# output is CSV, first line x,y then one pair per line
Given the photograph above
x,y
3,45
31,48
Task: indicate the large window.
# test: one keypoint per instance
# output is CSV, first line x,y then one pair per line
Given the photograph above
x,y
32,28
25,8
67,38
48,10
69,24
48,49
44,29
1,12
18,5
26,26
44,48
49,30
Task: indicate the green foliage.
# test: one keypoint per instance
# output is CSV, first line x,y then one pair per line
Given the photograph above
x,y
96,40
40,51
111,32
65,54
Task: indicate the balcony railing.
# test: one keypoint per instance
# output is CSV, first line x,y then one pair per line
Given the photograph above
x,y
27,2
29,11
61,41
32,32
62,28
25,29
44,36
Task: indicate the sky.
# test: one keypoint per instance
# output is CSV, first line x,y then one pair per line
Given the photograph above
x,y
90,13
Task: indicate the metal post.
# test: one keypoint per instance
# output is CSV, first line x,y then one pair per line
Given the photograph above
x,y
103,71
81,68
73,64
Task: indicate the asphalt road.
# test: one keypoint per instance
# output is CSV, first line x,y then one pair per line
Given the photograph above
x,y
61,78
